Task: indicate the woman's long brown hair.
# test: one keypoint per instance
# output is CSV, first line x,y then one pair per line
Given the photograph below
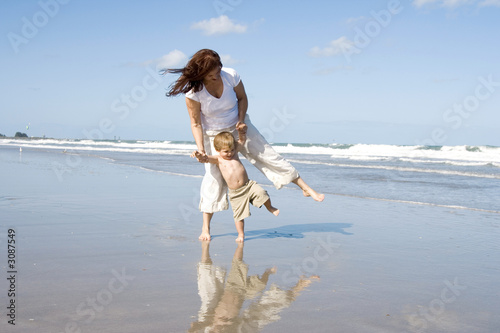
x,y
200,64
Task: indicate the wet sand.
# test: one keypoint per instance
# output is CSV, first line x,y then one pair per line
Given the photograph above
x,y
102,247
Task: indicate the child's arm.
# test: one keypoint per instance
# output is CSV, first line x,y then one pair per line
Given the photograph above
x,y
205,158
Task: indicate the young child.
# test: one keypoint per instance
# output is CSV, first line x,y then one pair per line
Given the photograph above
x,y
242,191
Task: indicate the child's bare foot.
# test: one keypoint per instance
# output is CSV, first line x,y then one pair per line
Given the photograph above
x,y
275,211
241,238
205,236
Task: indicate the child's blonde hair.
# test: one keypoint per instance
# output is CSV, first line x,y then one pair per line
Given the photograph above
x,y
224,140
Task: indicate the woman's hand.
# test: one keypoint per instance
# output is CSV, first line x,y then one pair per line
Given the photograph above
x,y
241,127
242,132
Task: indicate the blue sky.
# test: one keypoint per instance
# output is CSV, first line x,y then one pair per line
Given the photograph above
x,y
379,72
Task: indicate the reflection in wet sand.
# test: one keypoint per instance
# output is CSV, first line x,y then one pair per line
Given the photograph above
x,y
224,294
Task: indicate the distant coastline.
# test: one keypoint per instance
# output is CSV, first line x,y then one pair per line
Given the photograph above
x,y
29,138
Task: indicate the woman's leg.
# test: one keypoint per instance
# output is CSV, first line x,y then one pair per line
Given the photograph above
x,y
263,156
278,170
307,190
213,191
205,230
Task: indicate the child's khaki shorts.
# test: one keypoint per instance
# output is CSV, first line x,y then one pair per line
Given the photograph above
x,y
241,198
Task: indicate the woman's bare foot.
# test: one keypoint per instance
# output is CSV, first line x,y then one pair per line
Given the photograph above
x,y
241,238
303,283
308,191
316,196
205,236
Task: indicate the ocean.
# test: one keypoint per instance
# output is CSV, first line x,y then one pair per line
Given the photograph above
x,y
457,177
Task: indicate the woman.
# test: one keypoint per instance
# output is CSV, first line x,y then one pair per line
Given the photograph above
x,y
216,102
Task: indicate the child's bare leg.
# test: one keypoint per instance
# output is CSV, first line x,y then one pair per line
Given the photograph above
x,y
205,229
308,191
238,253
270,208
240,227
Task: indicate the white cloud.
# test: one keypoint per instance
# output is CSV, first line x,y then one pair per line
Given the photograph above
x,y
172,59
456,3
487,3
336,47
420,3
354,20
218,26
227,60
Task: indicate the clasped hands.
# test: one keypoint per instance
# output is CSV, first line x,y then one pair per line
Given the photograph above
x,y
202,157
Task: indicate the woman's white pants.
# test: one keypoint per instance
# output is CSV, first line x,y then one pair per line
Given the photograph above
x,y
258,152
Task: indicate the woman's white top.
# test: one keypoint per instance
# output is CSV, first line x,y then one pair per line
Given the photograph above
x,y
219,113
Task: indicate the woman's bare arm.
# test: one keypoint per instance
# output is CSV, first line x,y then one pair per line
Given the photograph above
x,y
242,102
194,109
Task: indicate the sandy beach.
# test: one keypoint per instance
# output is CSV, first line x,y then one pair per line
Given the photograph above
x,y
104,247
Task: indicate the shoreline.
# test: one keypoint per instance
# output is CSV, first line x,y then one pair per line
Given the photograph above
x,y
340,145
